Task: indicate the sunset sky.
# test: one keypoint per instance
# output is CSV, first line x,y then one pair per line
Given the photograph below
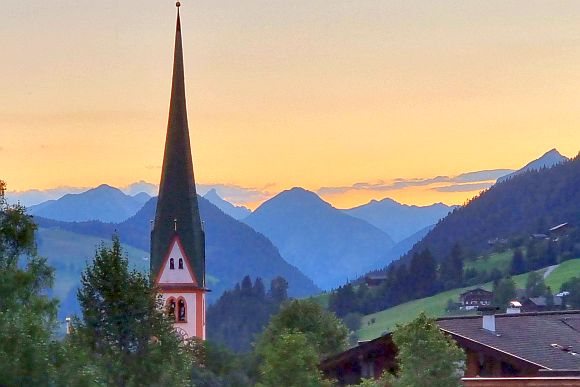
x,y
379,96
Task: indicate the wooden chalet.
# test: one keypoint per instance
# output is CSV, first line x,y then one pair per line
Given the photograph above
x,y
375,280
542,304
475,298
524,349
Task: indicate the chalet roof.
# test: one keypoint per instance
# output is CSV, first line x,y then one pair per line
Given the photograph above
x,y
543,301
377,277
550,340
558,227
479,290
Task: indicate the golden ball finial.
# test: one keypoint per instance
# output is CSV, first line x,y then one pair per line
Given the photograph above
x,y
178,4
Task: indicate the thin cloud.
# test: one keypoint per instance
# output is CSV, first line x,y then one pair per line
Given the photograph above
x,y
37,196
486,175
482,178
463,187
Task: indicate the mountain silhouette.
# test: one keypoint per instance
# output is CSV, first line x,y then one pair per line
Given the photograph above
x,y
105,203
398,220
326,244
233,249
236,212
547,160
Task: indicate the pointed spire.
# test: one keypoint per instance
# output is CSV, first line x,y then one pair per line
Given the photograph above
x,y
177,201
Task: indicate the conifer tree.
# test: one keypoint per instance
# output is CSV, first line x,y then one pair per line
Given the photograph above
x,y
123,326
518,264
27,314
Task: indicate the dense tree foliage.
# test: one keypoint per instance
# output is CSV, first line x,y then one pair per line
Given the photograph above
x,y
504,290
27,315
240,314
421,278
426,357
295,341
518,263
573,287
535,285
290,360
123,326
322,328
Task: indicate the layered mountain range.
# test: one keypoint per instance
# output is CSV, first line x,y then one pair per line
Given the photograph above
x,y
324,242
295,234
233,250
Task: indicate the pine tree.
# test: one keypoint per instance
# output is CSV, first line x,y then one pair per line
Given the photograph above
x,y
122,324
27,315
518,264
504,290
279,290
535,285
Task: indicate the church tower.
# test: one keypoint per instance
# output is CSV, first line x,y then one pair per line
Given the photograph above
x,y
177,238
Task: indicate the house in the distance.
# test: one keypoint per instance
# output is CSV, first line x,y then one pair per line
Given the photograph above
x,y
374,280
560,230
521,349
475,298
542,304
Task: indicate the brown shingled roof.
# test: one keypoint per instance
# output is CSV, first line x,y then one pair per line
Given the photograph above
x,y
550,340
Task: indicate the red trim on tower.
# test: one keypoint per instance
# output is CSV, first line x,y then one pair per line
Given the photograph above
x,y
190,290
200,315
185,257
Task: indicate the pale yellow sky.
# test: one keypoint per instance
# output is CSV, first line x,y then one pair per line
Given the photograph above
x,y
305,93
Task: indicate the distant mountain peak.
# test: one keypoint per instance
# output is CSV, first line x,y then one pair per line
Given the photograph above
x,y
296,197
398,220
298,192
322,241
547,160
236,212
105,187
213,194
105,203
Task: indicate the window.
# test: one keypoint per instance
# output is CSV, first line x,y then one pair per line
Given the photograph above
x,y
171,264
182,315
180,263
171,307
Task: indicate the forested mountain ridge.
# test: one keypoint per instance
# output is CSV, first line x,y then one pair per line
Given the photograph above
x,y
547,160
531,202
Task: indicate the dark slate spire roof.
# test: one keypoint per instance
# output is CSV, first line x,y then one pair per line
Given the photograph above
x,y
177,206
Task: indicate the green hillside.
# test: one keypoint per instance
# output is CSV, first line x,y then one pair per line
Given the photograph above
x,y
500,261
386,320
563,273
69,253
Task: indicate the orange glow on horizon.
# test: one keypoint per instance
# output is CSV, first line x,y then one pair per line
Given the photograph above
x,y
282,94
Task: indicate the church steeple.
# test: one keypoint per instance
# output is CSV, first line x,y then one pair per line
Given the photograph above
x,y
177,215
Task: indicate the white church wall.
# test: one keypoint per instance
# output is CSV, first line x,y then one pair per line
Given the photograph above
x,y
176,275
